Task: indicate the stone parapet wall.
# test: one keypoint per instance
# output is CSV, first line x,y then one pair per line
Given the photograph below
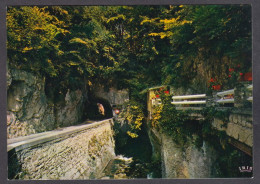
x,y
239,127
80,153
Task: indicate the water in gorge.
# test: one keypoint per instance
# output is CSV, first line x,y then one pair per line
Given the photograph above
x,y
133,160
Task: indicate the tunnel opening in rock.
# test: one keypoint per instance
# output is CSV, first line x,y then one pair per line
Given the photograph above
x,y
98,109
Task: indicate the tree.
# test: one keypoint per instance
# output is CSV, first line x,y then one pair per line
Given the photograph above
x,y
206,42
31,36
132,47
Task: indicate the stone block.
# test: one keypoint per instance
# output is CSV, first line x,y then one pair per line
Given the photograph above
x,y
233,130
218,124
245,135
76,175
249,118
249,125
239,118
235,118
242,121
239,133
230,118
249,141
44,177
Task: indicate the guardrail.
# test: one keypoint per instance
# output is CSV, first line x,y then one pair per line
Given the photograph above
x,y
194,102
39,138
186,99
226,96
197,101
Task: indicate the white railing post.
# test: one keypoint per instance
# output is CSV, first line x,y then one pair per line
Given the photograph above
x,y
225,97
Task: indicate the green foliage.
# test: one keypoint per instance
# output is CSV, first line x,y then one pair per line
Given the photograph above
x,y
135,47
31,38
131,47
208,132
228,159
177,123
209,113
171,121
206,39
134,115
32,28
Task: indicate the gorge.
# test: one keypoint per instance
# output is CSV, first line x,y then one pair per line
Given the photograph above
x,y
154,153
123,92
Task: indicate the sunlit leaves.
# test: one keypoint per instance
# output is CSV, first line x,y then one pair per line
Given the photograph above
x,y
134,116
32,28
132,46
120,16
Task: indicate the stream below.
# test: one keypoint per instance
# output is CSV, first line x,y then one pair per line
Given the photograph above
x,y
133,160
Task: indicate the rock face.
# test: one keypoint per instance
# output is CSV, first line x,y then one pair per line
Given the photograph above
x,y
189,162
72,111
113,95
29,111
183,161
82,155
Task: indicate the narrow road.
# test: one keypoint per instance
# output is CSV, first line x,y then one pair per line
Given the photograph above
x,y
31,140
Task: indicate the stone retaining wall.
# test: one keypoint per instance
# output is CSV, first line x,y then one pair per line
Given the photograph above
x,y
238,127
81,153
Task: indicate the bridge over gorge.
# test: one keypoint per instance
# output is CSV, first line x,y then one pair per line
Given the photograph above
x,y
238,102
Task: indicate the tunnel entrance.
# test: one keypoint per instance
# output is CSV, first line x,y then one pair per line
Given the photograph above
x,y
98,108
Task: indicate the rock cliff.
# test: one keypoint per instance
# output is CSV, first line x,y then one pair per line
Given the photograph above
x,y
29,110
182,161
